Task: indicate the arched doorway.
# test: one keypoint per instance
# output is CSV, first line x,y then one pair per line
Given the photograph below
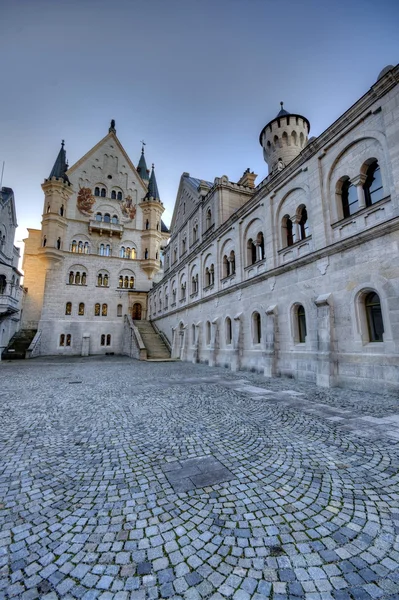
x,y
136,312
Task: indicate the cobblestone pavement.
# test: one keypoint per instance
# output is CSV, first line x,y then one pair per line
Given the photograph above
x,y
123,480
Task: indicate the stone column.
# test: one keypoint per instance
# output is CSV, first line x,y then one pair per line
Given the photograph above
x,y
237,336
296,230
271,342
359,182
195,357
326,357
214,343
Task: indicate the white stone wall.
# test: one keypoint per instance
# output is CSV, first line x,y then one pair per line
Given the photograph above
x,y
328,272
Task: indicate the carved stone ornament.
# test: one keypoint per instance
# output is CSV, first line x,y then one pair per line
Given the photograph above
x,y
239,294
272,282
322,265
128,209
85,201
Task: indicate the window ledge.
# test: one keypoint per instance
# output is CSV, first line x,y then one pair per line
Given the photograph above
x,y
296,245
102,286
78,284
194,295
257,263
361,212
209,287
173,304
228,277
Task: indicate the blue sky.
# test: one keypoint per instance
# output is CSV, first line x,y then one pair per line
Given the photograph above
x,y
197,79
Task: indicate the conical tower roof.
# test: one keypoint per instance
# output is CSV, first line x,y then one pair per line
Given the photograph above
x,y
153,193
142,166
60,166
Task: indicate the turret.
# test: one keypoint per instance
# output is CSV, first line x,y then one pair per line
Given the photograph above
x,y
142,166
283,138
57,190
152,236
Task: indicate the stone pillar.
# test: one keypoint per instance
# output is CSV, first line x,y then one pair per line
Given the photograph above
x,y
271,342
326,358
237,336
195,358
359,182
86,344
296,230
213,344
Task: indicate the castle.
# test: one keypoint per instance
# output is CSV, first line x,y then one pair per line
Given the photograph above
x,y
299,275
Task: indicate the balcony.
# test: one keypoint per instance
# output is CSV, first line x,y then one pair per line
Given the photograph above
x,y
107,228
8,304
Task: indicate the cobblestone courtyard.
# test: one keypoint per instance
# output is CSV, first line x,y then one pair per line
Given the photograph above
x,y
123,480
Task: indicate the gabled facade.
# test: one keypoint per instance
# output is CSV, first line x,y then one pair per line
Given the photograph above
x,y
95,256
298,276
11,292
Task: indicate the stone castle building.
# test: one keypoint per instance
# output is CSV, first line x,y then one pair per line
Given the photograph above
x,y
298,275
90,266
11,293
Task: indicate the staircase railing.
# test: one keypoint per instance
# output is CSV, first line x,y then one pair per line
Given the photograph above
x,y
163,337
133,344
34,348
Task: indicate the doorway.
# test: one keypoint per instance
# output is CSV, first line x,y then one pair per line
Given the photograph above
x,y
136,312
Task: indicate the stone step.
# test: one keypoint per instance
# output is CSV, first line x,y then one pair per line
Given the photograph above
x,y
153,342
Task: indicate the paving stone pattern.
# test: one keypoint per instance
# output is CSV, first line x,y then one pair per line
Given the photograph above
x,y
171,480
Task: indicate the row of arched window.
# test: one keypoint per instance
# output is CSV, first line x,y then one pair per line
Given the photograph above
x,y
368,190
102,193
60,211
106,218
80,247
105,340
65,339
80,278
3,284
99,310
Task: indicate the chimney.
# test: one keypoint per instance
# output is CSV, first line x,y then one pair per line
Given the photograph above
x,y
248,179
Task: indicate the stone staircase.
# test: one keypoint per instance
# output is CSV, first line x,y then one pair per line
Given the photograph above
x,y
155,346
18,344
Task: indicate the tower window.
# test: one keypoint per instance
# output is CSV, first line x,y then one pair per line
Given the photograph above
x,y
113,195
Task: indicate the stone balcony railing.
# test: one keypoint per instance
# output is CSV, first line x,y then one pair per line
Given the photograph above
x,y
108,228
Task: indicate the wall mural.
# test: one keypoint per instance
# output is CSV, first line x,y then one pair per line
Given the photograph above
x,y
85,201
128,209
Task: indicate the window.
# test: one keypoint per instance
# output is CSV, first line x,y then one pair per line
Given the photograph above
x,y
373,188
122,252
131,283
102,340
260,243
147,224
303,223
97,310
350,202
62,339
86,248
62,210
44,241
208,332
77,278
81,311
288,234
80,248
301,321
107,250
104,310
175,255
226,266
115,220
113,195
229,332
251,252
102,279
96,191
232,262
126,282
103,193
68,308
119,195
99,217
83,278
119,310
48,208
120,281
374,317
3,283
107,218
102,249
183,246
257,328
68,339
73,246
183,291
193,333
109,339
146,253
208,218
194,284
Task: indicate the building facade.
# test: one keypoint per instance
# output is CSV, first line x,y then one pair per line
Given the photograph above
x,y
11,292
299,275
98,250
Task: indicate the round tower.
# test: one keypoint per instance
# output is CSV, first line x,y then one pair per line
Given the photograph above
x,y
283,138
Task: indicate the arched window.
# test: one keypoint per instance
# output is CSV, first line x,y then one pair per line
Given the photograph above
x,y
260,242
120,281
193,285
350,202
147,224
99,279
68,308
68,339
251,252
229,332
257,328
374,317
373,188
115,220
96,191
109,339
183,291
133,253
127,252
183,246
102,249
102,340
126,282
62,339
113,195
80,247
208,332
71,277
232,258
83,278
44,241
48,208
104,310
107,250
59,243
131,283
86,248
303,223
73,246
288,229
301,322
97,308
208,218
146,253
81,310
105,280
119,310
119,195
99,217
103,192
193,333
294,138
122,252
107,218
62,210
226,266
77,278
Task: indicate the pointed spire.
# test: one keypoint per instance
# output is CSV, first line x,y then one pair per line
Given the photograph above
x,y
60,165
282,112
142,166
112,127
153,193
